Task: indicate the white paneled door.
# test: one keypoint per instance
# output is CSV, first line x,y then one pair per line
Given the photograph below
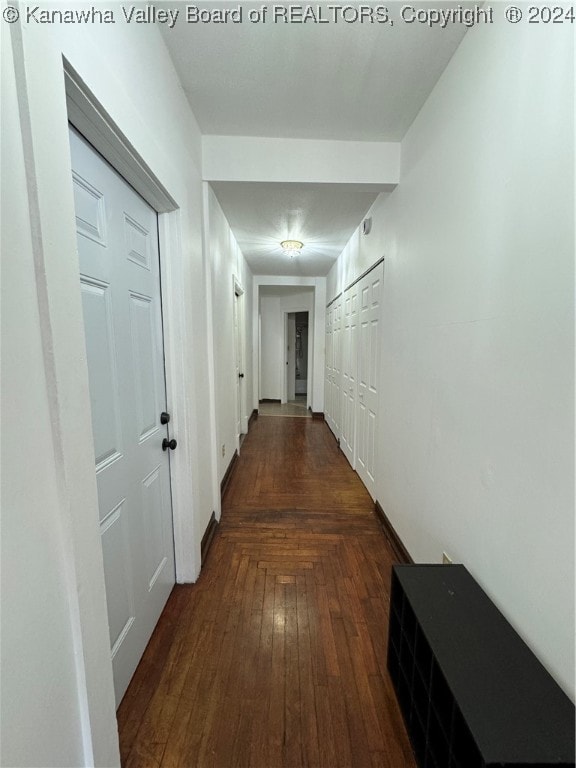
x,y
349,373
329,368
117,236
332,406
370,293
337,367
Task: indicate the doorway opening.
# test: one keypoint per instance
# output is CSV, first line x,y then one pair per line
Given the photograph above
x,y
285,362
297,385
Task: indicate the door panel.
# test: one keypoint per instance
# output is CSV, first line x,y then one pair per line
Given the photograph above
x,y
332,404
120,288
329,371
349,374
137,242
119,593
89,209
143,357
102,372
154,544
370,288
337,367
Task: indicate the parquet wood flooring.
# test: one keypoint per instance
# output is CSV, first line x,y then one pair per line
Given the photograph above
x,y
276,657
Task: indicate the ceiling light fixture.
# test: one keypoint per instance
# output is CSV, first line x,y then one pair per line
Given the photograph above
x,y
291,247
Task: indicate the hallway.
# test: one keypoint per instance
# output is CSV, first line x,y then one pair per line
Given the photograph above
x,y
277,656
283,163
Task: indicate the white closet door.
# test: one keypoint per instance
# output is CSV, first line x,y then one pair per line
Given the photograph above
x,y
370,293
349,373
337,367
328,371
120,286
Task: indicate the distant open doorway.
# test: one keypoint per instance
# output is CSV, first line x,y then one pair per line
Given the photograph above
x,y
278,308
297,385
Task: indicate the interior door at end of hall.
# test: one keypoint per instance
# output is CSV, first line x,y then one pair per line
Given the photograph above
x,y
370,293
117,239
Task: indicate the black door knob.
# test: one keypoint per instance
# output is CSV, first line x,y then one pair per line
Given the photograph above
x,y
169,444
240,375
164,417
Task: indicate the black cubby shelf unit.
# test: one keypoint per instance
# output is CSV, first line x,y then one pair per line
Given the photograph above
x,y
472,693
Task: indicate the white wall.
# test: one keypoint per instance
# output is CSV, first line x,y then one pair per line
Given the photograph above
x,y
57,695
477,413
271,348
309,161
40,632
227,263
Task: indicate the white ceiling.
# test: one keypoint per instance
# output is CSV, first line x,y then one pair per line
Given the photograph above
x,y
322,216
363,82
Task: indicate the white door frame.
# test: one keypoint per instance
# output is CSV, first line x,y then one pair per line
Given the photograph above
x,y
316,322
140,582
89,118
309,357
375,273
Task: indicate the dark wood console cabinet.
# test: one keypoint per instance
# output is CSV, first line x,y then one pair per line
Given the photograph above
x,y
471,692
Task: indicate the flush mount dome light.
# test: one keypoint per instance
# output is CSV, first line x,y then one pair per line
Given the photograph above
x,y
291,247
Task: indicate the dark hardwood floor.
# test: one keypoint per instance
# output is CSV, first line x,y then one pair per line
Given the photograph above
x,y
276,657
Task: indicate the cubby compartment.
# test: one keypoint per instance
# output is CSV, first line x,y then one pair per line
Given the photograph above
x,y
404,693
419,739
442,700
423,656
420,701
408,625
394,634
464,704
393,663
438,742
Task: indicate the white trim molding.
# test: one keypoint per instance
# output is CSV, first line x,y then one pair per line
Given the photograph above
x,y
93,122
